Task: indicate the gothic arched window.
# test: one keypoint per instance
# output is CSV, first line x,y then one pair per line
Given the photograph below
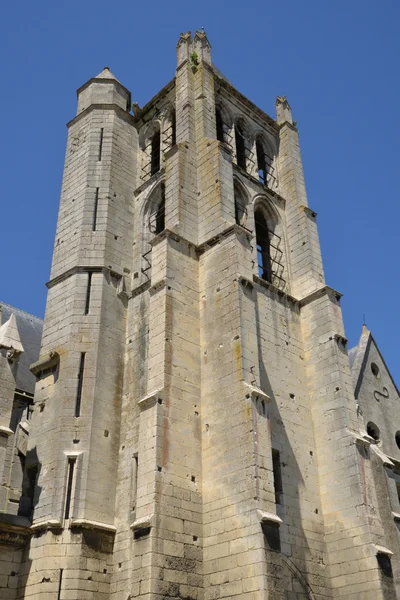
x,y
155,152
240,145
263,245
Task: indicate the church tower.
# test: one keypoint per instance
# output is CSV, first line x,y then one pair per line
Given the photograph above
x,y
195,433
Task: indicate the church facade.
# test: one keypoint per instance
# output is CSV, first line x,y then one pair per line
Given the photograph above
x,y
200,430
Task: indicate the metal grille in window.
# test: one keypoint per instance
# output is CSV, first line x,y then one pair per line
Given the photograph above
x,y
269,261
272,181
169,134
156,224
146,169
266,172
225,130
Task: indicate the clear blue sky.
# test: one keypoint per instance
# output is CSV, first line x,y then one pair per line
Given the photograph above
x,y
337,62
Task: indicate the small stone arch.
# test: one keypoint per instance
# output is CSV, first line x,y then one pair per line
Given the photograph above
x,y
241,200
224,124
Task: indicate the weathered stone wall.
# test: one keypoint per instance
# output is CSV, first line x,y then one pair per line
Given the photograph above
x,y
216,444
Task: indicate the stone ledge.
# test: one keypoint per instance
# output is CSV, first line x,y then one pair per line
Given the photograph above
x,y
308,211
361,438
45,362
14,530
151,399
92,525
385,459
142,523
5,430
316,294
382,550
268,517
48,524
252,391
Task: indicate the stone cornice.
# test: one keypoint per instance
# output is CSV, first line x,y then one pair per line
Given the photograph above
x,y
323,290
82,269
92,525
115,107
248,104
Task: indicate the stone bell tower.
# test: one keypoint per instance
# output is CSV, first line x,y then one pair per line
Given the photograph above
x,y
195,434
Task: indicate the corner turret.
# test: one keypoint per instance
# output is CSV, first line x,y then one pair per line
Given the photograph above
x,y
103,89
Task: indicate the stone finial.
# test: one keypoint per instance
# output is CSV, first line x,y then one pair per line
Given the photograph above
x,y
106,74
283,110
9,336
194,49
202,46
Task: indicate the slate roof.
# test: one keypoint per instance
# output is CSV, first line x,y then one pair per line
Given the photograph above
x,y
30,331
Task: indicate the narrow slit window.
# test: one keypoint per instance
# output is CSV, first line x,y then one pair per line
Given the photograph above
x,y
88,292
155,153
263,247
101,143
276,467
398,490
220,125
240,146
135,467
95,209
80,385
70,484
60,584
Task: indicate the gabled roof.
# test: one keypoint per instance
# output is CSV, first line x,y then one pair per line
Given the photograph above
x,y
358,358
29,330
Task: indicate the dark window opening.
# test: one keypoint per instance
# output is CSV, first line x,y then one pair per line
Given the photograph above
x,y
173,127
135,469
101,143
139,533
95,209
375,369
398,490
263,247
271,536
240,146
240,207
373,431
88,292
157,218
276,467
262,175
80,385
70,481
220,125
155,153
385,564
32,473
397,438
